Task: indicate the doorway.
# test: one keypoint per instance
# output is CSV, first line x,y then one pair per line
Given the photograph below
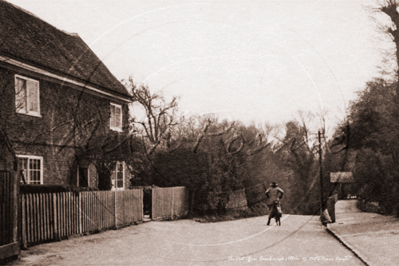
x,y
147,204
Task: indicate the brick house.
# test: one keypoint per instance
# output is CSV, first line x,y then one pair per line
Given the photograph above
x,y
62,112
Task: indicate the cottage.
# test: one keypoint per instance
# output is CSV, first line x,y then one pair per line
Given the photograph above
x,y
63,115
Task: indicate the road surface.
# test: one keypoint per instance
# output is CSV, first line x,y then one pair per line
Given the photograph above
x,y
301,240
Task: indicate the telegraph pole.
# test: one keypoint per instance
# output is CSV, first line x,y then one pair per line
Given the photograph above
x,y
321,175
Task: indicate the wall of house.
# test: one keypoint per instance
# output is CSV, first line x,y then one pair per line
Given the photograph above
x,y
71,120
6,158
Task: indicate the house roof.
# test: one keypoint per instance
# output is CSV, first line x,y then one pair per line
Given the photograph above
x,y
30,40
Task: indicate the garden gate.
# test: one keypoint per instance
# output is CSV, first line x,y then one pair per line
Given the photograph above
x,y
9,244
169,203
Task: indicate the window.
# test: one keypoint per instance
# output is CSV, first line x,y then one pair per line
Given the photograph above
x,y
27,96
32,168
118,176
116,117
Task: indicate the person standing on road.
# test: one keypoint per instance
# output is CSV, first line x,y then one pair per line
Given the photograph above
x,y
273,193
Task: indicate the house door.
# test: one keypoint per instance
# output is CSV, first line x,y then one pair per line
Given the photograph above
x,y
9,195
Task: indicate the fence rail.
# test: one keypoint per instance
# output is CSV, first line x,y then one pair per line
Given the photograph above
x,y
52,216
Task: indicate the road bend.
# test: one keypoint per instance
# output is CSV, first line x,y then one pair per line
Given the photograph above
x,y
301,240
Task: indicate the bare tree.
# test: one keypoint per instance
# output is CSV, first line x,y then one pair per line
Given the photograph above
x,y
160,115
390,8
299,150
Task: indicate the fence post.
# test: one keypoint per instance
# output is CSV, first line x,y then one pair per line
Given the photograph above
x,y
80,212
15,192
56,235
153,212
115,218
23,224
173,202
142,204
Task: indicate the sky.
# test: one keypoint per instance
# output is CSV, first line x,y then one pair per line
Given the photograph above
x,y
253,61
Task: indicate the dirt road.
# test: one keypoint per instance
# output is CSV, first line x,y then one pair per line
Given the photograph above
x,y
301,240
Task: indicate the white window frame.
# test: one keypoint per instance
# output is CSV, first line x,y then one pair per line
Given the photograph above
x,y
114,171
27,177
114,127
27,102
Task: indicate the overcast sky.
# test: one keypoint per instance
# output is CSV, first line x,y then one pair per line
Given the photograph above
x,y
254,61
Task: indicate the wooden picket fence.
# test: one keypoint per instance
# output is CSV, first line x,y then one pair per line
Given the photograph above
x,y
237,201
169,203
53,216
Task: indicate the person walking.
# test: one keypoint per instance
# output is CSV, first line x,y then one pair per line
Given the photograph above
x,y
273,193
